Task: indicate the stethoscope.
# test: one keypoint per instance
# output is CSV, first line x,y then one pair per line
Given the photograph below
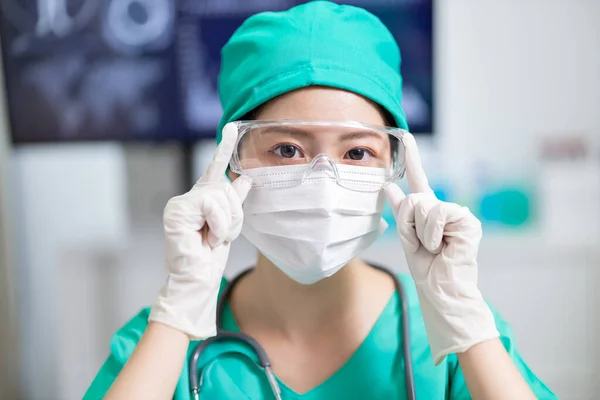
x,y
263,360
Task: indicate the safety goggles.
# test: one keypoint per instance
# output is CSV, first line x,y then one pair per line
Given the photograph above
x,y
356,156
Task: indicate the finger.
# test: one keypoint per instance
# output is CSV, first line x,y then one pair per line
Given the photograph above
x,y
406,223
181,215
462,235
217,168
417,180
395,195
430,220
237,213
242,186
235,227
460,221
234,230
218,217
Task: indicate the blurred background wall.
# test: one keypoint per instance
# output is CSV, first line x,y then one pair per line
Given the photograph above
x,y
517,91
9,359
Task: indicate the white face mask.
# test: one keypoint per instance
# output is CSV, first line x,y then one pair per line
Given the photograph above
x,y
311,230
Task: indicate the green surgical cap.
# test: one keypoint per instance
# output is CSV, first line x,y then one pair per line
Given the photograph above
x,y
317,43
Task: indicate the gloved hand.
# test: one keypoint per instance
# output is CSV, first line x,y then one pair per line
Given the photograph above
x,y
199,227
441,241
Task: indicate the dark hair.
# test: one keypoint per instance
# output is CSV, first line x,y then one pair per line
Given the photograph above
x,y
252,115
388,119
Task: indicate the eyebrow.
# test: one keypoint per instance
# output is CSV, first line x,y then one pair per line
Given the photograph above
x,y
301,133
289,130
361,135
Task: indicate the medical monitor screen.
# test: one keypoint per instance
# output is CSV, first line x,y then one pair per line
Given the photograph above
x,y
146,70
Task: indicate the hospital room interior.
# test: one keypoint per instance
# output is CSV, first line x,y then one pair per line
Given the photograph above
x,y
109,108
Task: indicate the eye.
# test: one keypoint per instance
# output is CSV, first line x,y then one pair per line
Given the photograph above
x,y
357,154
287,151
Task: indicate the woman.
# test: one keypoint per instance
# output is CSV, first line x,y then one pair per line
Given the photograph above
x,y
309,195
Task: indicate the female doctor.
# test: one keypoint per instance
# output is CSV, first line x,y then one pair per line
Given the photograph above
x,y
323,136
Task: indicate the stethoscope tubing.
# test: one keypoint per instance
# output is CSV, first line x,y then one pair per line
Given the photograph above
x,y
263,360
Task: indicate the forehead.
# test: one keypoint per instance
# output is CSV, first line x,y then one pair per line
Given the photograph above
x,y
317,103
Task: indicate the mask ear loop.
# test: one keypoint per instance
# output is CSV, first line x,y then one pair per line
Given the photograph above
x,y
318,158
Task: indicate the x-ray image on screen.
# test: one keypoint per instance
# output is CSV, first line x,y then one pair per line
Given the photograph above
x,y
147,69
91,69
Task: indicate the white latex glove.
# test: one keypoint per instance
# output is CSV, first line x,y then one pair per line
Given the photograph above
x,y
199,227
441,241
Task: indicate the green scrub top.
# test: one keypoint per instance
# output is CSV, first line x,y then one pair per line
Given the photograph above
x,y
374,371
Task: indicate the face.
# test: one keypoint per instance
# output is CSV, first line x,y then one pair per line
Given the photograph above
x,y
276,145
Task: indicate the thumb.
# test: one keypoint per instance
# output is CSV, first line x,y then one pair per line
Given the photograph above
x,y
242,186
395,196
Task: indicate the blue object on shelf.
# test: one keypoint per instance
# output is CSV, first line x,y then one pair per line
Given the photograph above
x,y
507,207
